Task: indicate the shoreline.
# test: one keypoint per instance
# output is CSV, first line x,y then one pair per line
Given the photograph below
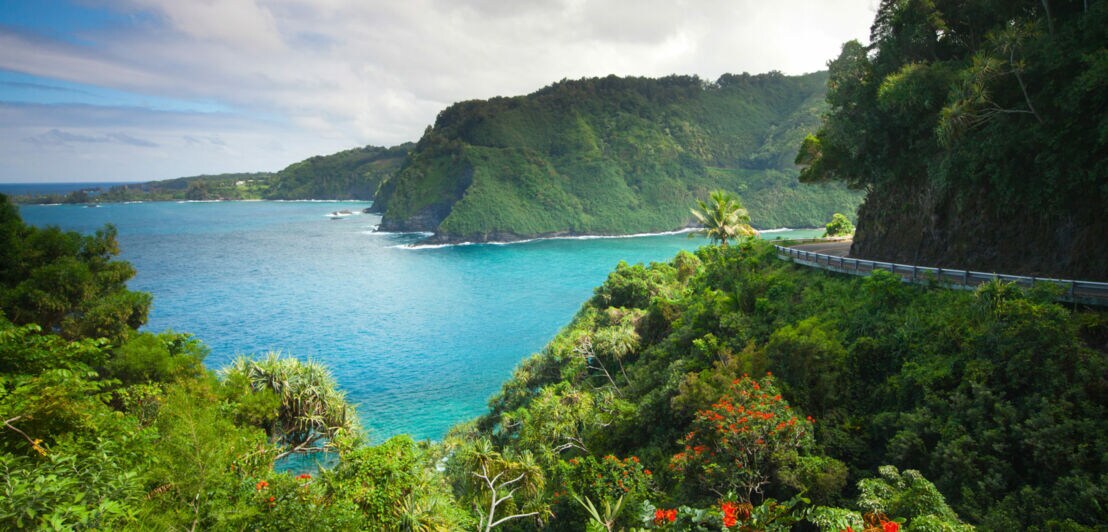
x,y
245,200
558,236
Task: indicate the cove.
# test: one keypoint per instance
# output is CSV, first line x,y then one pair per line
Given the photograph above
x,y
419,338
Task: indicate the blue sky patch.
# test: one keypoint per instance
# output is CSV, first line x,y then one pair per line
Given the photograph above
x,y
16,87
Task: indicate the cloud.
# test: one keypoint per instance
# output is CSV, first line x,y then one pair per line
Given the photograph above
x,y
236,23
215,141
92,143
56,137
344,73
40,87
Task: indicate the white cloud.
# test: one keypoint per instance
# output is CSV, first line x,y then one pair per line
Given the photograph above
x,y
333,74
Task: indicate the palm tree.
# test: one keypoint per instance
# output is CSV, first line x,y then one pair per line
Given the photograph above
x,y
311,409
723,218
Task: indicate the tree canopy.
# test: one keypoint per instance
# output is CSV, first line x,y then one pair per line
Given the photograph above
x,y
65,282
978,128
723,218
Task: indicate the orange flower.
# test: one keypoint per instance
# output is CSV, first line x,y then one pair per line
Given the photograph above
x,y
261,485
671,515
890,526
730,511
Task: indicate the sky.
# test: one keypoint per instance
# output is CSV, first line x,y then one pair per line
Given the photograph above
x,y
139,90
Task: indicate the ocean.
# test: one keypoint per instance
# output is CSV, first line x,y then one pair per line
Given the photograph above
x,y
419,338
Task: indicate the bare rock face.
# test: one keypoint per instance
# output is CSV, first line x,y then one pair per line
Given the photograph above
x,y
976,233
426,220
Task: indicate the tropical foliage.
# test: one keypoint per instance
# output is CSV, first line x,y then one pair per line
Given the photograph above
x,y
931,381
723,218
978,128
310,410
106,427
839,226
874,405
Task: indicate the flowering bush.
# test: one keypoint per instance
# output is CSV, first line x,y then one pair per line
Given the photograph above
x,y
770,516
609,482
734,443
284,502
663,516
607,478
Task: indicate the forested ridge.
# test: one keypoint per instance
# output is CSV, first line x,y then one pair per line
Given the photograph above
x,y
351,174
613,156
980,131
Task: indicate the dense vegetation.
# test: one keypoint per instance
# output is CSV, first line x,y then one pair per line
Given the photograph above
x,y
980,130
655,408
105,427
350,174
613,155
726,389
996,396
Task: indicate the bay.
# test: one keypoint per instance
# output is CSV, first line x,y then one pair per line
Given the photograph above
x,y
419,338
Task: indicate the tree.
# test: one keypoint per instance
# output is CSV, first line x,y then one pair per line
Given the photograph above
x,y
490,480
66,282
312,410
723,218
839,226
395,487
738,442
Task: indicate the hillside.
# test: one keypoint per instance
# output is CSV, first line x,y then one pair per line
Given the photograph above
x,y
349,174
613,155
706,368
981,134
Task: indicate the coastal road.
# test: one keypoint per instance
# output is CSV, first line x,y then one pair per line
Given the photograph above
x,y
838,248
834,256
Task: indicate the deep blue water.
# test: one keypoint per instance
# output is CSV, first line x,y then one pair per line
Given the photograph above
x,y
419,338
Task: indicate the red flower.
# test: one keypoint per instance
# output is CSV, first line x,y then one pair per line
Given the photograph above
x,y
730,510
647,471
890,526
671,515
659,516
303,476
271,499
261,485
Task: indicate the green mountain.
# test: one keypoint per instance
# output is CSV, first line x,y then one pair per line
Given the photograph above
x,y
349,174
613,155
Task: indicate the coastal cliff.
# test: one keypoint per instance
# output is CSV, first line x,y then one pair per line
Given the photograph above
x,y
612,156
979,136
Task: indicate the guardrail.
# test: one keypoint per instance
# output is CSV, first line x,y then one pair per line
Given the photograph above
x,y
1085,292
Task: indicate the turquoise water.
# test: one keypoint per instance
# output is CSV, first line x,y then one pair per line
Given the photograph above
x,y
419,338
